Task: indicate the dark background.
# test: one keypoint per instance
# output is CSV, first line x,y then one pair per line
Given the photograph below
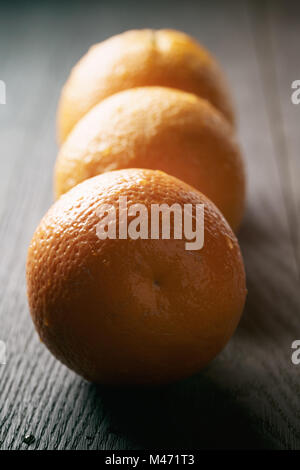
x,y
249,396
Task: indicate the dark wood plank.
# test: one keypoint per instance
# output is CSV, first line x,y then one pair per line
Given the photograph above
x,y
283,29
248,397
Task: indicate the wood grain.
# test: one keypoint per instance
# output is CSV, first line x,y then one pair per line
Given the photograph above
x,y
249,396
284,36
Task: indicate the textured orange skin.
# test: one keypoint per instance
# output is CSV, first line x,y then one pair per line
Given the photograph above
x,y
141,58
132,311
158,128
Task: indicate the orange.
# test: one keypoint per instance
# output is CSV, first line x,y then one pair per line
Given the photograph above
x,y
125,311
141,58
158,128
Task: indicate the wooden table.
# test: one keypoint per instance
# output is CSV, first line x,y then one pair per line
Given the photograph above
x,y
249,397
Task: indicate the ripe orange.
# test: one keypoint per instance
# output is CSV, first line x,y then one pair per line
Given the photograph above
x,y
132,311
141,58
158,128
